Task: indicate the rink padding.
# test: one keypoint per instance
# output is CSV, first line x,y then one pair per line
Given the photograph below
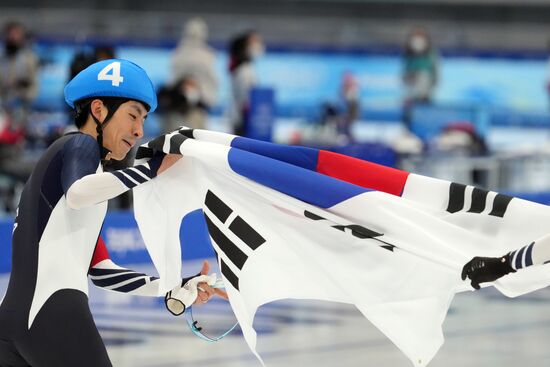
x,y
124,241
126,245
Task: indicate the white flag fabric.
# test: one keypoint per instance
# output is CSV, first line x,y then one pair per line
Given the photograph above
x,y
300,223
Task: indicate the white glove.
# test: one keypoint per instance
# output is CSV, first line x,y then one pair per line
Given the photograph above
x,y
182,297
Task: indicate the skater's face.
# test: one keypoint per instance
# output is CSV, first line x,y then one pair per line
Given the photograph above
x,y
124,129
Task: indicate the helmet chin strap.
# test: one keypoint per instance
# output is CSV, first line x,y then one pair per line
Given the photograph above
x,y
99,129
111,109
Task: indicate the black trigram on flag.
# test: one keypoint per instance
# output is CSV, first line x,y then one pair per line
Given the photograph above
x,y
247,235
355,229
457,197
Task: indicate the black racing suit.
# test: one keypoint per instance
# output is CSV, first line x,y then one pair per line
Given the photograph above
x,y
45,320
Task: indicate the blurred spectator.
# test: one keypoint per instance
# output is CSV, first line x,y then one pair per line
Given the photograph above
x,y
180,104
18,89
193,87
420,71
350,95
84,58
548,72
18,75
462,138
243,49
104,52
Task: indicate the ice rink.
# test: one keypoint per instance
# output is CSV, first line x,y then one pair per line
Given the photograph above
x,y
482,329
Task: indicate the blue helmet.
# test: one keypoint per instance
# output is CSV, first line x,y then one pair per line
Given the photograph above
x,y
112,78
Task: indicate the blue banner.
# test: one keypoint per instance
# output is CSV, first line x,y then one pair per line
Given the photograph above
x,y
124,241
259,124
126,246
6,230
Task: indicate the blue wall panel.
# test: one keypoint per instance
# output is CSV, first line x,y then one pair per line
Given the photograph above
x,y
124,241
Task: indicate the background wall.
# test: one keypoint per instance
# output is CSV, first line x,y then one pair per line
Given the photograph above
x,y
493,59
491,24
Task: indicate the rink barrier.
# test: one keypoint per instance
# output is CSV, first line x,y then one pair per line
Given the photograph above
x,y
124,241
126,246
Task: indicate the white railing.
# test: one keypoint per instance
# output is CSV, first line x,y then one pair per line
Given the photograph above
x,y
521,171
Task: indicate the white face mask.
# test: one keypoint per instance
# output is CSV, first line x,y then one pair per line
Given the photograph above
x,y
418,44
192,94
256,50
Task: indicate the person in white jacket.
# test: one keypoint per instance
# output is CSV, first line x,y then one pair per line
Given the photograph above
x,y
193,77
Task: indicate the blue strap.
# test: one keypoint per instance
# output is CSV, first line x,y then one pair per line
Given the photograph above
x,y
194,325
196,329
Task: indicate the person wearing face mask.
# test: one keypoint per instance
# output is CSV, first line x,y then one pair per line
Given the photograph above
x,y
18,75
243,50
193,84
182,104
420,71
